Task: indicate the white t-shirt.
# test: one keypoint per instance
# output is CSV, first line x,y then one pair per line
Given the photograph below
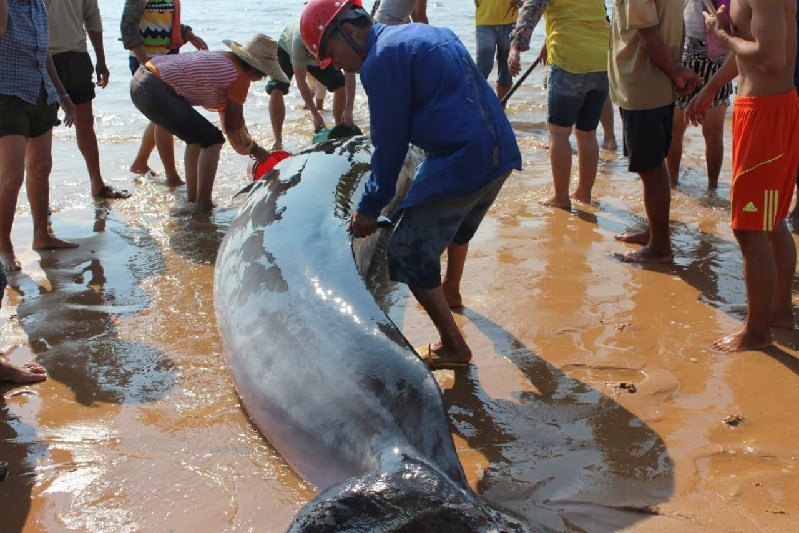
x,y
394,12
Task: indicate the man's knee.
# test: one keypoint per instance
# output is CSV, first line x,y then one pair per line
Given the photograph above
x,y
559,132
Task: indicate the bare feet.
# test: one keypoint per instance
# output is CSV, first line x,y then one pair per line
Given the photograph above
x,y
609,143
741,341
143,171
173,180
581,197
30,373
638,237
276,146
51,242
452,294
9,261
437,356
645,255
557,202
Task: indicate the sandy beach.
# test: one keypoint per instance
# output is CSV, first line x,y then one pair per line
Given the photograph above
x,y
139,427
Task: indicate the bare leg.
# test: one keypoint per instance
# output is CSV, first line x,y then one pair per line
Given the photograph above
x,y
87,144
587,161
147,146
760,274
456,261
277,114
38,163
608,133
453,347
190,162
713,131
795,212
657,202
560,157
339,102
674,157
784,251
165,143
30,373
206,173
12,173
502,90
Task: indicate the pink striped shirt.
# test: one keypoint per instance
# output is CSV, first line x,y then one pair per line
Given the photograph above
x,y
207,78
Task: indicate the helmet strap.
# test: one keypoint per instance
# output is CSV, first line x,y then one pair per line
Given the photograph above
x,y
337,26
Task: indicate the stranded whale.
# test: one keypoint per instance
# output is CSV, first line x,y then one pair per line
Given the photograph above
x,y
326,376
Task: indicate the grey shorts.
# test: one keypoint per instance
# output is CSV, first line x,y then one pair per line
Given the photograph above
x,y
163,106
490,39
425,230
576,99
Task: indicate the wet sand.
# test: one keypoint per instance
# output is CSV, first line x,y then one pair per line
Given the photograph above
x,y
139,427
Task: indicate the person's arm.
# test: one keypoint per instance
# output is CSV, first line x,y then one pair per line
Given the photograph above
x,y
129,27
684,79
237,134
63,97
301,75
419,13
96,37
767,51
349,90
699,104
3,17
188,35
529,15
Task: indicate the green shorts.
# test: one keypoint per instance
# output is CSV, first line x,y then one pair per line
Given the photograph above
x,y
18,117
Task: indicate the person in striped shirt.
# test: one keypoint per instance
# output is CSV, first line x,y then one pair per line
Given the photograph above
x,y
167,87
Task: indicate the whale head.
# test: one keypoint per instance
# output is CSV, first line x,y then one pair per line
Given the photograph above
x,y
411,498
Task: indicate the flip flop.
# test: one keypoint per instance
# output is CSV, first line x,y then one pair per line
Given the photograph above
x,y
108,192
426,354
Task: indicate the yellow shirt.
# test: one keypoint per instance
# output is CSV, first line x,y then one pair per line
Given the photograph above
x,y
494,12
636,83
577,35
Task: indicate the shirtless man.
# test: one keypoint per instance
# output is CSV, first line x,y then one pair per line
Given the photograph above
x,y
762,36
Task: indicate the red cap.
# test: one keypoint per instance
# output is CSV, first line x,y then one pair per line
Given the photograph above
x,y
314,21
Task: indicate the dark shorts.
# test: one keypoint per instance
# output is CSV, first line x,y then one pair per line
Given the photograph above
x,y
163,106
75,70
425,230
647,136
18,117
331,77
576,99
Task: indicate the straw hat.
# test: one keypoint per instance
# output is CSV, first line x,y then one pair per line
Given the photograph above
x,y
261,54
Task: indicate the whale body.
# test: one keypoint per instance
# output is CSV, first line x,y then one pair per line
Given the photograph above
x,y
322,371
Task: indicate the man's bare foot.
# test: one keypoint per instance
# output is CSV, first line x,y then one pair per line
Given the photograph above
x,y
143,171
580,197
638,237
436,356
30,373
9,261
556,202
452,294
51,242
609,143
741,341
645,255
174,180
276,146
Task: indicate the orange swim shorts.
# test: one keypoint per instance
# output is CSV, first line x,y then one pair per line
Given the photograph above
x,y
765,158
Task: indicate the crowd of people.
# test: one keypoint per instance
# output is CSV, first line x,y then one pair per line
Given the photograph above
x,y
665,64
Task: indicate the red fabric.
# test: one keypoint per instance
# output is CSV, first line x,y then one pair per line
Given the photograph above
x,y
177,33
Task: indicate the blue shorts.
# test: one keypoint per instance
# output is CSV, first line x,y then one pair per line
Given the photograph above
x,y
576,99
425,230
491,38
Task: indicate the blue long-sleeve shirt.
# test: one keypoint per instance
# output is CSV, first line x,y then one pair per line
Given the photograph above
x,y
425,89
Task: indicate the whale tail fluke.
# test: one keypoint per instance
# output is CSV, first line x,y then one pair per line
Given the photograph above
x,y
413,498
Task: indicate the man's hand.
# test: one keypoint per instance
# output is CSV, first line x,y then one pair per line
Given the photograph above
x,y
542,55
102,73
346,118
318,122
362,225
69,110
719,23
698,106
197,43
514,61
260,154
686,81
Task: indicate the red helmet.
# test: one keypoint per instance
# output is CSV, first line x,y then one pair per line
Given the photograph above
x,y
315,20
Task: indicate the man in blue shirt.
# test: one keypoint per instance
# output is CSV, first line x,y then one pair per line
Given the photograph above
x,y
423,88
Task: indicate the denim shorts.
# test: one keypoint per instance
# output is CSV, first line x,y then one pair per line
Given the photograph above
x,y
494,38
163,106
576,99
425,230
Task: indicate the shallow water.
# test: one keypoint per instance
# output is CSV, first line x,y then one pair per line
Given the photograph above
x,y
139,427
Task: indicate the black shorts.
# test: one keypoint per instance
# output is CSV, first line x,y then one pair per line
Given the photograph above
x,y
163,106
647,136
75,70
18,117
331,77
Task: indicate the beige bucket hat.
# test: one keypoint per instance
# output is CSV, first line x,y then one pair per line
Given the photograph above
x,y
260,53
